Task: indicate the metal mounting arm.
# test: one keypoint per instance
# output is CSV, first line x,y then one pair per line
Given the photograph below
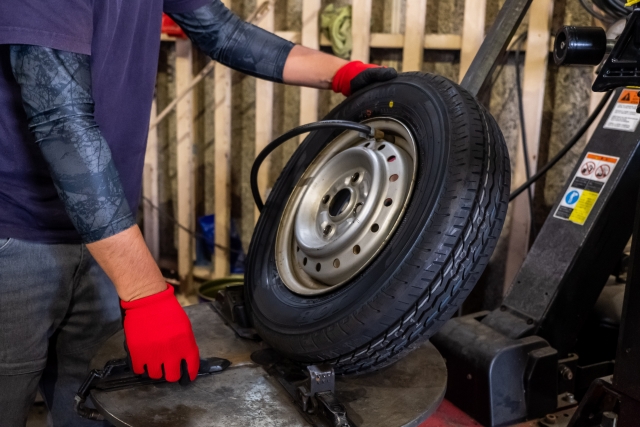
x,y
495,44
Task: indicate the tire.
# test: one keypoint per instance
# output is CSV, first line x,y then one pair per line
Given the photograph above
x,y
435,255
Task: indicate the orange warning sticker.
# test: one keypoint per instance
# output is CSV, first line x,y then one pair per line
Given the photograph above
x,y
629,96
602,158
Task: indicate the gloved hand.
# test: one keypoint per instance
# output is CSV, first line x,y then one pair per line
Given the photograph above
x,y
159,337
356,75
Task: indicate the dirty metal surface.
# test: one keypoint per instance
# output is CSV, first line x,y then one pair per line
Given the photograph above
x,y
244,395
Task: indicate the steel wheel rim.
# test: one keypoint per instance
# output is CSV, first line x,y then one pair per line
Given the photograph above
x,y
345,208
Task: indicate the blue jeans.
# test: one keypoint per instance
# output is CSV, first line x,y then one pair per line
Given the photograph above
x,y
57,307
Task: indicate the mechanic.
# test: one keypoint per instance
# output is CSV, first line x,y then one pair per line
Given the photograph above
x,y
76,85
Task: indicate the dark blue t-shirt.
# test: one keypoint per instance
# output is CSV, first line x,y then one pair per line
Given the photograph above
x,y
123,39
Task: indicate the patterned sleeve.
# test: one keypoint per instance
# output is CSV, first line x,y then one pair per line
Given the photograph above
x,y
235,43
56,94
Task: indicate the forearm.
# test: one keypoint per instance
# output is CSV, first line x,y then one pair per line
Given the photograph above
x,y
125,258
56,94
311,68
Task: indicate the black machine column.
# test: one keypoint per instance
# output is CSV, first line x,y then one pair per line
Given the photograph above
x,y
615,401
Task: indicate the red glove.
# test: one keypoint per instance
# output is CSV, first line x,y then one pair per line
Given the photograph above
x,y
159,335
357,75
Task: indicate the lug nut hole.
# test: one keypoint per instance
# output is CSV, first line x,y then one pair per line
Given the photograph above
x,y
391,159
394,177
381,147
375,228
356,249
325,199
388,202
318,266
304,261
355,177
336,263
367,144
327,230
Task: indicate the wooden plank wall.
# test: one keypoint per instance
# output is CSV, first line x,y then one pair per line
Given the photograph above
x,y
533,91
185,163
310,37
412,42
222,165
472,32
264,116
150,190
413,48
361,29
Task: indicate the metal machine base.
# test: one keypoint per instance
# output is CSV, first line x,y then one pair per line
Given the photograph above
x,y
245,395
510,379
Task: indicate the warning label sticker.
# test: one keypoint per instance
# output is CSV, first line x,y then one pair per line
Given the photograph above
x,y
588,182
624,116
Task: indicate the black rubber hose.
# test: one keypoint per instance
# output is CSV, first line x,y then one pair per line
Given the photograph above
x,y
588,5
326,124
573,141
608,10
613,7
